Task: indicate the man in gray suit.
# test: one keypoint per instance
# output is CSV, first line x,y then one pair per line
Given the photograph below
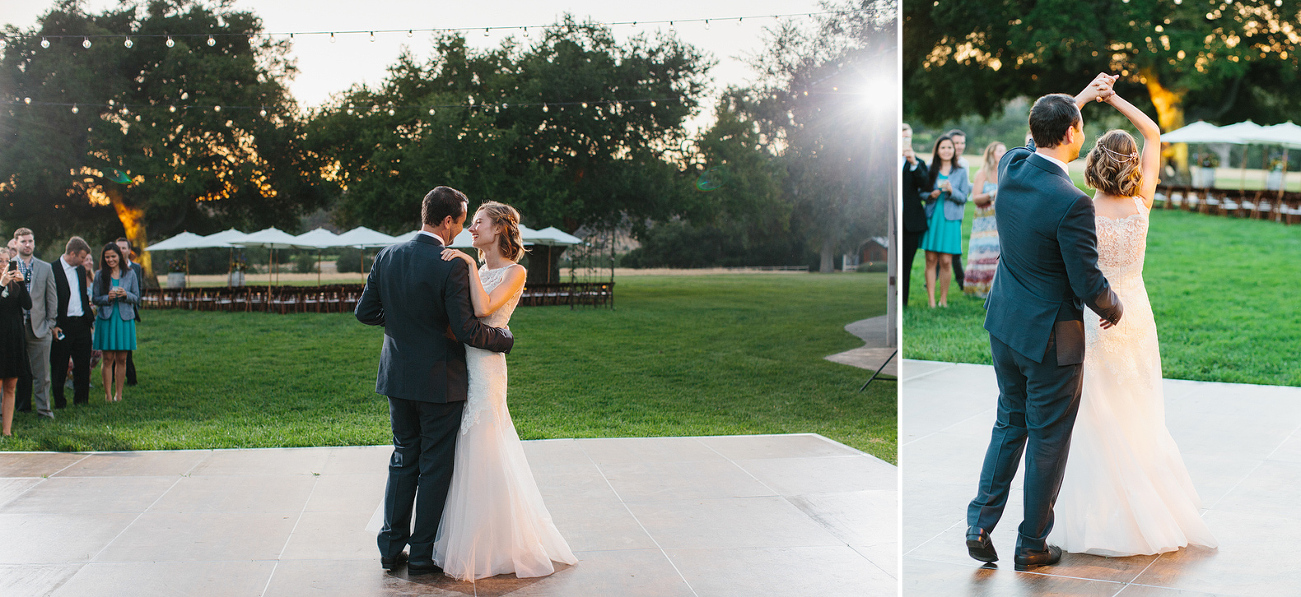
x,y
38,323
423,303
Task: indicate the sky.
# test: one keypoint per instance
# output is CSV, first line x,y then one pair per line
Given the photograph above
x,y
326,68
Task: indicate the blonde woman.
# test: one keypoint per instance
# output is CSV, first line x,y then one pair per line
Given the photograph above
x,y
494,521
982,249
1126,490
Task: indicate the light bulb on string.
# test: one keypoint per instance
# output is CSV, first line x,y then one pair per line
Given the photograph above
x,y
738,21
485,32
45,43
128,43
74,109
544,108
216,108
584,105
706,24
263,113
211,41
431,111
652,103
390,111
331,37
410,32
27,100
671,29
171,42
171,108
85,42
372,37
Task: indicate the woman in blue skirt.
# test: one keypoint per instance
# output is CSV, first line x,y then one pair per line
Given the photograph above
x,y
117,293
945,208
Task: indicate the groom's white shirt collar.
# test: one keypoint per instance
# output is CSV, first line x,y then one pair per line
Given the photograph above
x,y
441,240
1060,164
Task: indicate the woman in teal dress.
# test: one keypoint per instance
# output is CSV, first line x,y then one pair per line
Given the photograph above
x,y
117,294
945,208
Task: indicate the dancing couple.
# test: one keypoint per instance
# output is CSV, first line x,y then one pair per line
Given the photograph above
x,y
457,459
1091,388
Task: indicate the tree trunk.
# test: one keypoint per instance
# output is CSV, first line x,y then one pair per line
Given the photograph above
x,y
133,221
1170,114
828,257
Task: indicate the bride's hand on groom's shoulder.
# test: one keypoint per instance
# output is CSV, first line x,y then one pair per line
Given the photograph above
x,y
450,254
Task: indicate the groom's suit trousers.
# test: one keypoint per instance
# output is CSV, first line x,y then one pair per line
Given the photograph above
x,y
1037,402
419,474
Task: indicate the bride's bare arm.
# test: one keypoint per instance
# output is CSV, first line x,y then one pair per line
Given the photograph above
x,y
486,304
1150,156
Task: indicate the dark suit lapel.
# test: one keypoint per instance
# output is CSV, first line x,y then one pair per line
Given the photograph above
x,y
429,240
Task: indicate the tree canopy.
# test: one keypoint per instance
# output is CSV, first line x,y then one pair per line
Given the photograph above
x,y
157,124
1190,59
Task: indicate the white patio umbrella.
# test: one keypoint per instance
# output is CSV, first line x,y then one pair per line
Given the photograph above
x,y
271,238
181,242
1197,132
1286,134
319,238
1241,133
550,237
223,239
364,238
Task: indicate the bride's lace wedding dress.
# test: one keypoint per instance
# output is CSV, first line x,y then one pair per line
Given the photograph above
x,y
495,521
1126,489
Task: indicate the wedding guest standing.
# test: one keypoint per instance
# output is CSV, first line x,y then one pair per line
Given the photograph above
x,y
945,208
14,299
38,325
117,292
124,245
982,249
72,335
959,148
916,182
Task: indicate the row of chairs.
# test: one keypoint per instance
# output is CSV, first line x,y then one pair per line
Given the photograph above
x,y
1259,205
343,298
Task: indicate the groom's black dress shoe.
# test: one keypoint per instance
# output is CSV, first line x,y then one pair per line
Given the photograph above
x,y
1027,559
979,546
394,562
423,568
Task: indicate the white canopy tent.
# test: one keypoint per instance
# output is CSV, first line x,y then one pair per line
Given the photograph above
x,y
274,239
1287,135
180,242
319,238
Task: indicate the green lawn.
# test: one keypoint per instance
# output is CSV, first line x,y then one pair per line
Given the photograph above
x,y
736,354
1224,291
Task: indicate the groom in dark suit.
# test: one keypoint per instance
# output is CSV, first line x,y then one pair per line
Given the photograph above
x,y
424,305
1047,272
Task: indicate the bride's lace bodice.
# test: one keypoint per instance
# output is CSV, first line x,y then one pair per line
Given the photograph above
x,y
1122,245
492,278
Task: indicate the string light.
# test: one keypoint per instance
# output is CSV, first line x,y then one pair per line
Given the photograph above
x,y
372,37
216,108
211,41
431,111
74,108
263,113
170,42
85,42
128,43
45,43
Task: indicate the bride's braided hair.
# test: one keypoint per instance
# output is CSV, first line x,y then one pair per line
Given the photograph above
x,y
1113,166
505,221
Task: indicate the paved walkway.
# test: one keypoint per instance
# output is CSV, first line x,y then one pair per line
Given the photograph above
x,y
1242,446
873,352
741,515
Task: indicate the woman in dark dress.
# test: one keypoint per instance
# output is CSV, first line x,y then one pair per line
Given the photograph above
x,y
13,345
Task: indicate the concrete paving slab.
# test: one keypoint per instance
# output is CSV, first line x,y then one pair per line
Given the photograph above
x,y
645,516
1241,444
875,351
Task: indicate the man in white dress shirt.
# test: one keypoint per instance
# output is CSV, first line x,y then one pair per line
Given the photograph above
x,y
72,335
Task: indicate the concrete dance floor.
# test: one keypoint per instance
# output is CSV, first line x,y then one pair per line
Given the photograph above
x,y
1242,446
743,515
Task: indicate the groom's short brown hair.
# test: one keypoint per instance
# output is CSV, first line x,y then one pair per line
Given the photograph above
x,y
441,203
1050,117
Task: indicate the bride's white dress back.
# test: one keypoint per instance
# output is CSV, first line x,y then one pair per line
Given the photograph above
x,y
1126,489
495,521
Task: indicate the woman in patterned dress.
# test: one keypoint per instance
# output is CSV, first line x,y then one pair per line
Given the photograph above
x,y
982,249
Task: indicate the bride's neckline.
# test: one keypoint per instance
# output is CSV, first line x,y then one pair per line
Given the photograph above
x,y
1135,201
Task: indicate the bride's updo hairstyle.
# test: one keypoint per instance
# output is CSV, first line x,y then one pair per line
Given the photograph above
x,y
505,221
1113,165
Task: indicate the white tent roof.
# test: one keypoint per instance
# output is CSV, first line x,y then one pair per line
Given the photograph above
x,y
1241,132
271,238
1197,132
182,241
554,237
1286,134
224,238
319,238
405,237
362,236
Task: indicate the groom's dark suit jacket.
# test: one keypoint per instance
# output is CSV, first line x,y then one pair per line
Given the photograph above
x,y
418,298
1048,265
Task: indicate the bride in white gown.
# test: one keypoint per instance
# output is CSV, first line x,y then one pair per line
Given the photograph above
x,y
495,521
1126,490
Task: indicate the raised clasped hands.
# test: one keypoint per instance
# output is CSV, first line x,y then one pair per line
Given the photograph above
x,y
1101,88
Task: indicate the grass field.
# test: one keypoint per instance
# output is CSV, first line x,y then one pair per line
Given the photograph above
x,y
1224,291
737,354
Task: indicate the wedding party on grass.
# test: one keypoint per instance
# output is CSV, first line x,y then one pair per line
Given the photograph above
x,y
575,299
1113,410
